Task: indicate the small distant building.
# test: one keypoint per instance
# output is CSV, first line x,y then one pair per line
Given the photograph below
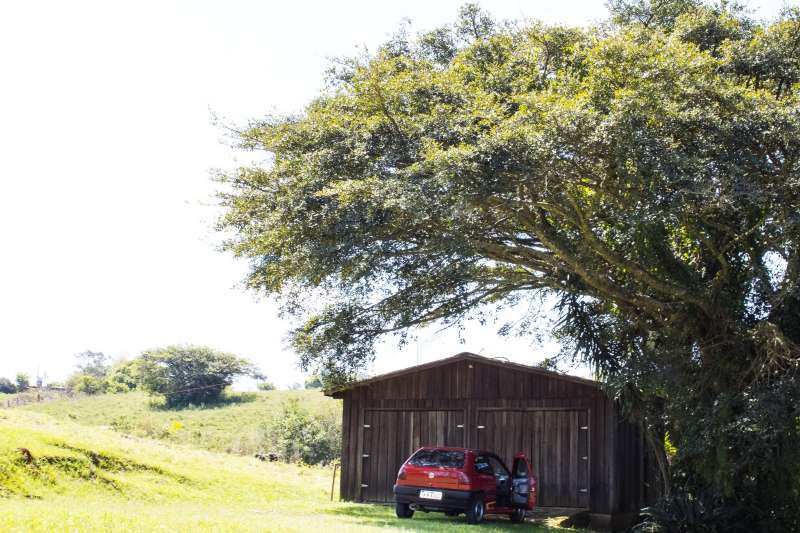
x,y
583,453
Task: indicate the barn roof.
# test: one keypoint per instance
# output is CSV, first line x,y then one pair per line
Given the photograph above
x,y
463,356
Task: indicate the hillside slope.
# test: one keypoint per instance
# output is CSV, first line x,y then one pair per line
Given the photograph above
x,y
56,475
238,426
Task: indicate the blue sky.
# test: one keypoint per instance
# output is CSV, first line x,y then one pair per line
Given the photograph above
x,y
106,143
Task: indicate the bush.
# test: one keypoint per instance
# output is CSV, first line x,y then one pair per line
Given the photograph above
x,y
299,436
265,385
186,375
7,386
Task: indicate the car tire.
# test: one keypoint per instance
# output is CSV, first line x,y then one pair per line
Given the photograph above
x,y
403,510
518,516
476,510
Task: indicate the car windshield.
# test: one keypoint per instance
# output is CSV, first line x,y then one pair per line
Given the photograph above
x,y
438,458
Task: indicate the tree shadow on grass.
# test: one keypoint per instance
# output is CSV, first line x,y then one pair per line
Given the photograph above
x,y
229,398
383,516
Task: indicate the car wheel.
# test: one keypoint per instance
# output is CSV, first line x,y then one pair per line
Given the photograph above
x,y
403,510
476,511
518,515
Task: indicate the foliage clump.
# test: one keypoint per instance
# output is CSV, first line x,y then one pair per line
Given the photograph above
x,y
123,376
298,435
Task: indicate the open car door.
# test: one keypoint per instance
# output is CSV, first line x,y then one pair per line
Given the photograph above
x,y
523,493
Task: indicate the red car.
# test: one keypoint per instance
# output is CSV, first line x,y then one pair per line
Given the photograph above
x,y
459,480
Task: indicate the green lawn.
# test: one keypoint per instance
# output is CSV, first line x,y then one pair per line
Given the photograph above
x,y
90,479
237,426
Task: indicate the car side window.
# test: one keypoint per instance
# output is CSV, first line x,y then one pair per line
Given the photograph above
x,y
482,465
498,467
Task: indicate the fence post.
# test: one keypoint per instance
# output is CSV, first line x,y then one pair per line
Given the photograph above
x,y
333,481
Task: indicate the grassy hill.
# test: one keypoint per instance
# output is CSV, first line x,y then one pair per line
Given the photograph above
x,y
240,425
71,477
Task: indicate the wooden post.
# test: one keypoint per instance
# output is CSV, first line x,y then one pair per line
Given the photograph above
x,y
333,481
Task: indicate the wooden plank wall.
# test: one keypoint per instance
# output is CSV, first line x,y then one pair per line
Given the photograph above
x,y
555,444
473,386
393,435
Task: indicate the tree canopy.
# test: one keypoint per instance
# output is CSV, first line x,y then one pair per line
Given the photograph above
x,y
645,173
94,364
23,382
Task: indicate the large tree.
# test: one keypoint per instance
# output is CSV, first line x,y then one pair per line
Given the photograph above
x,y
190,375
645,174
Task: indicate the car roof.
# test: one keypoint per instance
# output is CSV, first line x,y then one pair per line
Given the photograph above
x,y
458,449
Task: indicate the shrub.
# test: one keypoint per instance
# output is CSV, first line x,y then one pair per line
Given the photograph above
x,y
299,436
186,375
265,385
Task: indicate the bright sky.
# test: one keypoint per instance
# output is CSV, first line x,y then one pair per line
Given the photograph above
x,y
106,144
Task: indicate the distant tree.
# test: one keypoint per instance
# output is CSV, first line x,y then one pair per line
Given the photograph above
x,y
23,382
91,363
90,376
313,382
123,376
7,386
265,386
191,374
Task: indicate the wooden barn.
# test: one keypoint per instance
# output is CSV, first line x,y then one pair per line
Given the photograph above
x,y
583,453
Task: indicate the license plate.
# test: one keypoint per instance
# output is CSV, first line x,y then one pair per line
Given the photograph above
x,y
430,494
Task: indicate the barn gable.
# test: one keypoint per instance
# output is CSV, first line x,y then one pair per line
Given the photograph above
x,y
455,377
583,453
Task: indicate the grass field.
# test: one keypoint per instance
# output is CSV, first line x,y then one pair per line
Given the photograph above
x,y
236,426
80,478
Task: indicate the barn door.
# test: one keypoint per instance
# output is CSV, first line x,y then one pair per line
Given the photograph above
x,y
389,437
556,443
